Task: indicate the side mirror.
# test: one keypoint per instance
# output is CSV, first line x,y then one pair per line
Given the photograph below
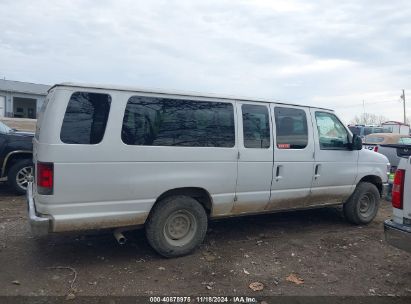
x,y
356,142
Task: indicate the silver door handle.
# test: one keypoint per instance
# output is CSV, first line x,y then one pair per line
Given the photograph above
x,y
317,170
277,173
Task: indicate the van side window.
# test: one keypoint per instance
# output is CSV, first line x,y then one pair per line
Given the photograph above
x,y
331,132
291,128
85,118
153,121
256,126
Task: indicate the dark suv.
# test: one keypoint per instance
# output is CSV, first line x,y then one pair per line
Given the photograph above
x,y
16,157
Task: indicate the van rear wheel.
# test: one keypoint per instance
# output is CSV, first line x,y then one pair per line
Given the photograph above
x,y
176,226
363,204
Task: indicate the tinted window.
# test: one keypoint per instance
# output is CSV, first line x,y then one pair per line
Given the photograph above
x,y
388,129
172,122
86,118
291,124
368,131
256,126
378,130
332,134
355,130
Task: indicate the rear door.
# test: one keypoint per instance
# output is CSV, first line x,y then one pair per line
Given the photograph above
x,y
255,157
336,165
293,157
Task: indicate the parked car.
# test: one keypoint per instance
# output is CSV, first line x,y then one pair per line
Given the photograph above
x,y
398,229
114,157
16,154
373,141
393,146
365,130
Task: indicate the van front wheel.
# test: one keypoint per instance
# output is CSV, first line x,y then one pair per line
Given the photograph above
x,y
362,206
176,226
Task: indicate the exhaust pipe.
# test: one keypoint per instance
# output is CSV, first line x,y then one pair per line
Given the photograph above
x,y
118,234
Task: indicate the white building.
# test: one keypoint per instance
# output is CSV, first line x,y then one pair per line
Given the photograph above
x,y
21,99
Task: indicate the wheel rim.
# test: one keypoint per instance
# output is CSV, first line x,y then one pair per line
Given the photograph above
x,y
180,228
367,205
24,176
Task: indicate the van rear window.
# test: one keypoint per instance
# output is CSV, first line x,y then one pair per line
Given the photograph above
x,y
85,118
153,121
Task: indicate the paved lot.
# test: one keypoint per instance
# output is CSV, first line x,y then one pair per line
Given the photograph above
x,y
318,246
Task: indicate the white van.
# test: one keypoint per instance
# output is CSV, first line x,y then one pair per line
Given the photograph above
x,y
114,157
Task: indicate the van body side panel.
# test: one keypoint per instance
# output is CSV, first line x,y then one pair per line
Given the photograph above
x,y
293,169
129,189
112,184
372,164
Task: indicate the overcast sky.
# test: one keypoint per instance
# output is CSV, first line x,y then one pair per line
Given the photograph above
x,y
327,53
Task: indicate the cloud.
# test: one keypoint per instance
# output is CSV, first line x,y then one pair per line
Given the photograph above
x,y
324,53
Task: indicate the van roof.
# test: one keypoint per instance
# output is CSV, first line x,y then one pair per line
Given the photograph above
x,y
171,92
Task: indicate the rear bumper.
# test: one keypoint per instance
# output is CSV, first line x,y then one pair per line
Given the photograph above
x,y
40,225
398,235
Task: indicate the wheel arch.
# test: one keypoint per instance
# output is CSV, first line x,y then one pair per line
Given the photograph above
x,y
198,193
12,157
373,179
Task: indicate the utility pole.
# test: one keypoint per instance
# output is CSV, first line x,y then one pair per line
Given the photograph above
x,y
403,99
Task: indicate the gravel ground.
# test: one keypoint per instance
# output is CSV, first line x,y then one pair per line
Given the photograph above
x,y
322,252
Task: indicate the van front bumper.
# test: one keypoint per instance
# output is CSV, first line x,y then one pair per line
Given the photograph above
x,y
40,225
398,235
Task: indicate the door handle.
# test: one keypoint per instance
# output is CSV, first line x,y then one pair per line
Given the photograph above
x,y
317,171
277,173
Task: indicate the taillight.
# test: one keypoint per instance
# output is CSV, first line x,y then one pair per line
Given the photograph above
x,y
45,172
398,189
376,149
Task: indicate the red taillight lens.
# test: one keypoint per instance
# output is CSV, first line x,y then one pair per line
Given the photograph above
x,y
398,189
45,172
376,149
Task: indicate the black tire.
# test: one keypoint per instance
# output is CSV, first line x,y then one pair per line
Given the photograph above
x,y
362,206
172,217
14,171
